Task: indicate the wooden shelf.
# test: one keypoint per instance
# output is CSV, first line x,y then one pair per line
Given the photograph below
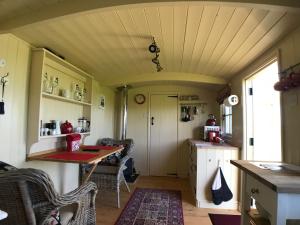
x,y
62,135
60,98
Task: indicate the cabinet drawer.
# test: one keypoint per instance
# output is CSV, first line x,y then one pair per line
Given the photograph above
x,y
261,193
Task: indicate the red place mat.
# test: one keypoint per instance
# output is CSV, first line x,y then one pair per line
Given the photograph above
x,y
97,147
72,156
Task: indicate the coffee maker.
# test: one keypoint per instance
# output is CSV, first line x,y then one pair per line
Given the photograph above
x,y
211,133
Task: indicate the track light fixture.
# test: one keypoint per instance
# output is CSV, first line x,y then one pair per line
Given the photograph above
x,y
153,48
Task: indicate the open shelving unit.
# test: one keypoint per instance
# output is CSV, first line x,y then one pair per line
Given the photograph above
x,y
60,98
44,106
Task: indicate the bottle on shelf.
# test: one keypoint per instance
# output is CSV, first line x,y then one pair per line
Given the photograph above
x,y
77,93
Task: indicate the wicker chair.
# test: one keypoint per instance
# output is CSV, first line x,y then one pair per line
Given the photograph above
x,y
109,173
29,198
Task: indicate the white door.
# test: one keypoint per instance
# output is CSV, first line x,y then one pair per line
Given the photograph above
x,y
163,135
263,131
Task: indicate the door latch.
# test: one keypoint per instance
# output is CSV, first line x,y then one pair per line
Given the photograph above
x,y
152,120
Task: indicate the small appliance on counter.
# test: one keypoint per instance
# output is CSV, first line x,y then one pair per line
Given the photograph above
x,y
211,131
211,120
83,125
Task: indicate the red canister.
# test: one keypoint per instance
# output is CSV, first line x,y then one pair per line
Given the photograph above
x,y
73,142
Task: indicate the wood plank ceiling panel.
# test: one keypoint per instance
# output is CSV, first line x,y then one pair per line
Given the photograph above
x,y
112,44
230,32
167,29
154,23
142,28
69,32
283,25
118,37
220,24
89,27
204,39
207,21
180,15
139,41
194,16
66,42
247,28
265,26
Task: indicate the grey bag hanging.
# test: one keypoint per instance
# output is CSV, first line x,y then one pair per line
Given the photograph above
x,y
220,190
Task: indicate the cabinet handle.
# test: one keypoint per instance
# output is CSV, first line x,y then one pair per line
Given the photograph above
x,y
254,191
209,160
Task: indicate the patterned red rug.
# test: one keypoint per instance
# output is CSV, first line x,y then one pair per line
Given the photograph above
x,y
225,219
152,207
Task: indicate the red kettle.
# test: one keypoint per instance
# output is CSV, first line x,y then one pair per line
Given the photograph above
x,y
66,128
211,120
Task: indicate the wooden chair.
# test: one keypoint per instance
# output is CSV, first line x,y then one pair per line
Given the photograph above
x,y
29,198
109,174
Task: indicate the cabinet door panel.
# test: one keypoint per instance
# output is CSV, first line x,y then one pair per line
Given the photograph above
x,y
227,167
212,165
201,173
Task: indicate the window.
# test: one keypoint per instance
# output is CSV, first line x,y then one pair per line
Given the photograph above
x,y
226,120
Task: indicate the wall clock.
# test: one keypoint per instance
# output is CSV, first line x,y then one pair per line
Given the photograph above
x,y
140,98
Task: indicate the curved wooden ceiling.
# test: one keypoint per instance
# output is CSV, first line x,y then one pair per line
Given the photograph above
x,y
200,42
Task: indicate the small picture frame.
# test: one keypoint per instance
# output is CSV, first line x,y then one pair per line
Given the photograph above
x,y
102,102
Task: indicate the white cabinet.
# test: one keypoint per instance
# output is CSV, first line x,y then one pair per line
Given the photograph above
x,y
277,193
55,105
204,159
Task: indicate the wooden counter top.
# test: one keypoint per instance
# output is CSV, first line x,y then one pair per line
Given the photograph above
x,y
210,145
280,177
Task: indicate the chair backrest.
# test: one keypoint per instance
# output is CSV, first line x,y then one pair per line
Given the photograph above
x,y
127,143
26,195
128,146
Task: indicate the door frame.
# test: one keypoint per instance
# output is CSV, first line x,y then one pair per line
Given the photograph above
x,y
149,127
275,56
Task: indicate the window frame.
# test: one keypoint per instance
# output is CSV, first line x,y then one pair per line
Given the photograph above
x,y
226,121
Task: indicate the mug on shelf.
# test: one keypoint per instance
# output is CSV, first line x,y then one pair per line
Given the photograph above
x,y
65,93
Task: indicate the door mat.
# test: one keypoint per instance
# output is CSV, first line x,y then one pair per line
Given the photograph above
x,y
152,206
225,219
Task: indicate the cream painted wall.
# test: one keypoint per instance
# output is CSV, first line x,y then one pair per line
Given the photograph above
x,y
138,121
289,49
13,125
103,119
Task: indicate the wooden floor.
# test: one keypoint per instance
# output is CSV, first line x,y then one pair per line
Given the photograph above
x,y
107,213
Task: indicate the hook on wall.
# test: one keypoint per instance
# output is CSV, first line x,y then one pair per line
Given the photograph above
x,y
3,82
3,79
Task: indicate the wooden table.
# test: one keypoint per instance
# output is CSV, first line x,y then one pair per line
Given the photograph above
x,y
80,157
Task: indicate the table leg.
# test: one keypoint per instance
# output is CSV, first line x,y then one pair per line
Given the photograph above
x,y
87,177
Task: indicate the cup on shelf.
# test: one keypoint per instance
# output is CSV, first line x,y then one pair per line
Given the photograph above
x,y
65,93
46,132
